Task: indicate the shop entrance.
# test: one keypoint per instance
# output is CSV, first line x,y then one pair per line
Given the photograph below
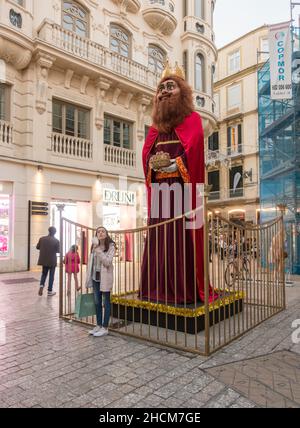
x,y
75,211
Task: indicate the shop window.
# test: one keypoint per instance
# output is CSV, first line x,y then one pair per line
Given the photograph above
x,y
71,120
120,41
234,139
75,18
118,133
5,224
156,58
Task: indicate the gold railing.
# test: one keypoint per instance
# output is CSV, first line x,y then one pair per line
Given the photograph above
x,y
243,281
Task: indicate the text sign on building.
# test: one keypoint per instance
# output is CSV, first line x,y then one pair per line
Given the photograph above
x,y
119,197
39,208
280,61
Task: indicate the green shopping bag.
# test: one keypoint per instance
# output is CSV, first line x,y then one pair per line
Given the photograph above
x,y
85,305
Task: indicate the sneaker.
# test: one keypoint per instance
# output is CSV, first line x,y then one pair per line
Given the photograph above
x,y
51,293
102,332
95,330
41,289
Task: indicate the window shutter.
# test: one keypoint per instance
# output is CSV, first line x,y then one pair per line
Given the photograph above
x,y
240,142
229,136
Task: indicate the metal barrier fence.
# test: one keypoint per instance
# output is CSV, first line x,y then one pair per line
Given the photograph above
x,y
155,293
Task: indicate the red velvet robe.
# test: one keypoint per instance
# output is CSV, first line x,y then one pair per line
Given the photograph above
x,y
190,133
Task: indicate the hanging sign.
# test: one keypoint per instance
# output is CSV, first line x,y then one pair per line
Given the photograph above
x,y
280,61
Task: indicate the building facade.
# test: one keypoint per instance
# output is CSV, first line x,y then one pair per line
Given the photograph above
x,y
279,144
232,156
77,80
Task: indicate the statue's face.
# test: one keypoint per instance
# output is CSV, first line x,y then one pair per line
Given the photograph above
x,y
167,89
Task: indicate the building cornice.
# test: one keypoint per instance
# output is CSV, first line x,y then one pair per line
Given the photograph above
x,y
237,76
200,39
256,30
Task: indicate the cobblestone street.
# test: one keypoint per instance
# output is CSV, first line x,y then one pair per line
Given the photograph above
x,y
46,362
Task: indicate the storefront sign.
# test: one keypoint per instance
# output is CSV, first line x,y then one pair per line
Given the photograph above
x,y
119,197
39,208
280,61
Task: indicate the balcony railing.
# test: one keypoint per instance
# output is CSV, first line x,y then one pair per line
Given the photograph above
x,y
6,133
236,193
235,151
118,156
88,50
72,147
214,196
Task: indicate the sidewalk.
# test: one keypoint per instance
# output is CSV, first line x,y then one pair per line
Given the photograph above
x,y
45,362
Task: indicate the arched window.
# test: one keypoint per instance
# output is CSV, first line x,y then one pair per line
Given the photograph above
x,y
199,9
199,73
120,41
157,58
75,18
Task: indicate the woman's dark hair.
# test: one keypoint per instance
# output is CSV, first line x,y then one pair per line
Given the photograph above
x,y
74,248
108,239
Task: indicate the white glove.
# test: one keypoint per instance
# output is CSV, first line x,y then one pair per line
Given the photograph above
x,y
172,168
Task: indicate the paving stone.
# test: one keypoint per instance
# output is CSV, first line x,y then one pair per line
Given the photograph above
x,y
47,362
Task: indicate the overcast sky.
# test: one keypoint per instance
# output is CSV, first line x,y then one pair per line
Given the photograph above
x,y
233,18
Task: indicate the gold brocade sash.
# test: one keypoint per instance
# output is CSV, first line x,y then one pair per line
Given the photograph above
x,y
163,143
162,175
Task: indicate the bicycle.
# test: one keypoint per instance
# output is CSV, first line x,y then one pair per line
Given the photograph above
x,y
235,273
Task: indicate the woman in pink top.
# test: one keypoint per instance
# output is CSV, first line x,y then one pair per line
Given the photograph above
x,y
72,262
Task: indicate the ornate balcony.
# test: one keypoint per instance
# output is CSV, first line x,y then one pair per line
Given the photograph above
x,y
71,147
132,6
118,156
92,52
159,14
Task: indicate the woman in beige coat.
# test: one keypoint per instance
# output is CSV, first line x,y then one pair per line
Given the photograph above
x,y
100,276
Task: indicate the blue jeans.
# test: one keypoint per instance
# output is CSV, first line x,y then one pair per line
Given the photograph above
x,y
98,302
46,269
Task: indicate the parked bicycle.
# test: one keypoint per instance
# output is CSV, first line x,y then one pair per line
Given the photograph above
x,y
237,270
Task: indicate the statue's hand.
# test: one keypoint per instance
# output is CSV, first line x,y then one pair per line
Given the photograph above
x,y
172,168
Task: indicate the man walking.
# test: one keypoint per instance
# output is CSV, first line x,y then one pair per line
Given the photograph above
x,y
48,246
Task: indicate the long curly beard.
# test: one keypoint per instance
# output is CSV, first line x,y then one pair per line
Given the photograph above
x,y
172,110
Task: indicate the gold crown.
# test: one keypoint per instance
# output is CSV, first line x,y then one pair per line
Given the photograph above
x,y
176,71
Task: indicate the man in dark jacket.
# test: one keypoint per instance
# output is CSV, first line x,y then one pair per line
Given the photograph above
x,y
48,246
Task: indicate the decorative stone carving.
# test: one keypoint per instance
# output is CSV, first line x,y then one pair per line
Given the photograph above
x,y
83,85
159,18
132,6
14,54
144,102
102,86
68,78
43,65
128,100
116,95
